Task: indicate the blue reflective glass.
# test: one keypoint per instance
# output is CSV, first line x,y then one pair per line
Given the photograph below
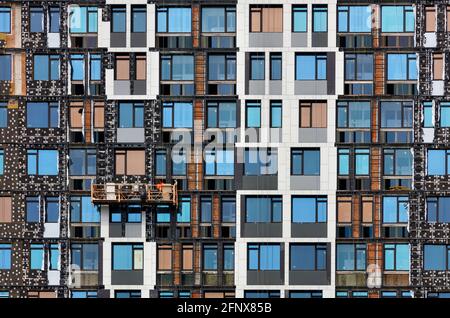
x,y
269,257
253,116
434,257
436,162
41,67
139,19
90,212
5,67
445,115
397,67
5,256
96,66
180,20
5,19
305,68
300,16
182,115
36,19
213,20
392,19
210,257
184,211
319,19
122,257
304,210
37,115
118,19
77,67
37,256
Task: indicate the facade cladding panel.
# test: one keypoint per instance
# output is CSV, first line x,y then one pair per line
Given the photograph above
x,y
220,149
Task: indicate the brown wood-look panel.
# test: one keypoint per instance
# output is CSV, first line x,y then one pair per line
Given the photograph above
x,y
200,73
196,25
87,120
194,216
356,217
176,259
374,121
216,216
379,73
375,169
377,216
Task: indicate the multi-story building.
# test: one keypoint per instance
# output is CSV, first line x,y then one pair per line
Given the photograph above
x,y
234,148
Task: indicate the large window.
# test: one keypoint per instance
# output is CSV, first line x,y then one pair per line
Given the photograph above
x,y
5,67
395,209
5,256
219,162
228,209
401,67
436,257
42,162
5,19
257,66
309,209
308,257
299,18
131,115
83,19
444,118
2,161
262,257
397,162
128,256
174,20
351,257
46,67
396,114
130,162
358,67
355,19
310,67
52,209
313,114
222,67
77,67
82,210
42,115
210,257
54,19
353,114
259,162
438,209
177,115
221,115
276,112
177,67
160,162
263,209
396,257
228,257
179,160
36,19
3,115
218,19
320,18
36,256
438,162
305,162
32,209
397,19
118,19
84,256
82,162
266,18
253,114
184,210
138,19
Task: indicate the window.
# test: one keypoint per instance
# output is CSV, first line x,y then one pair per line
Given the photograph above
x,y
42,115
82,210
37,256
46,67
353,114
2,161
401,67
130,214
313,114
308,257
96,67
299,18
266,18
5,67
42,162
396,115
128,256
54,17
320,17
174,20
161,162
218,19
5,19
177,67
36,19
305,162
305,294
358,67
309,209
275,66
83,19
259,162
253,114
179,160
276,111
263,209
210,257
130,162
131,115
436,257
5,256
82,162
138,19
351,257
3,114
228,209
205,209
395,209
221,115
343,162
397,19
264,257
84,294
228,257
219,162
354,19
177,115
362,161
428,115
445,114
257,66
162,214
222,67
310,67
262,294
438,67
77,67
184,210
32,209
118,19
397,162
84,256
52,209
438,162
127,294
438,209
396,257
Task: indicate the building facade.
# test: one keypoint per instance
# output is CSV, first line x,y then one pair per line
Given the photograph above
x,y
221,149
